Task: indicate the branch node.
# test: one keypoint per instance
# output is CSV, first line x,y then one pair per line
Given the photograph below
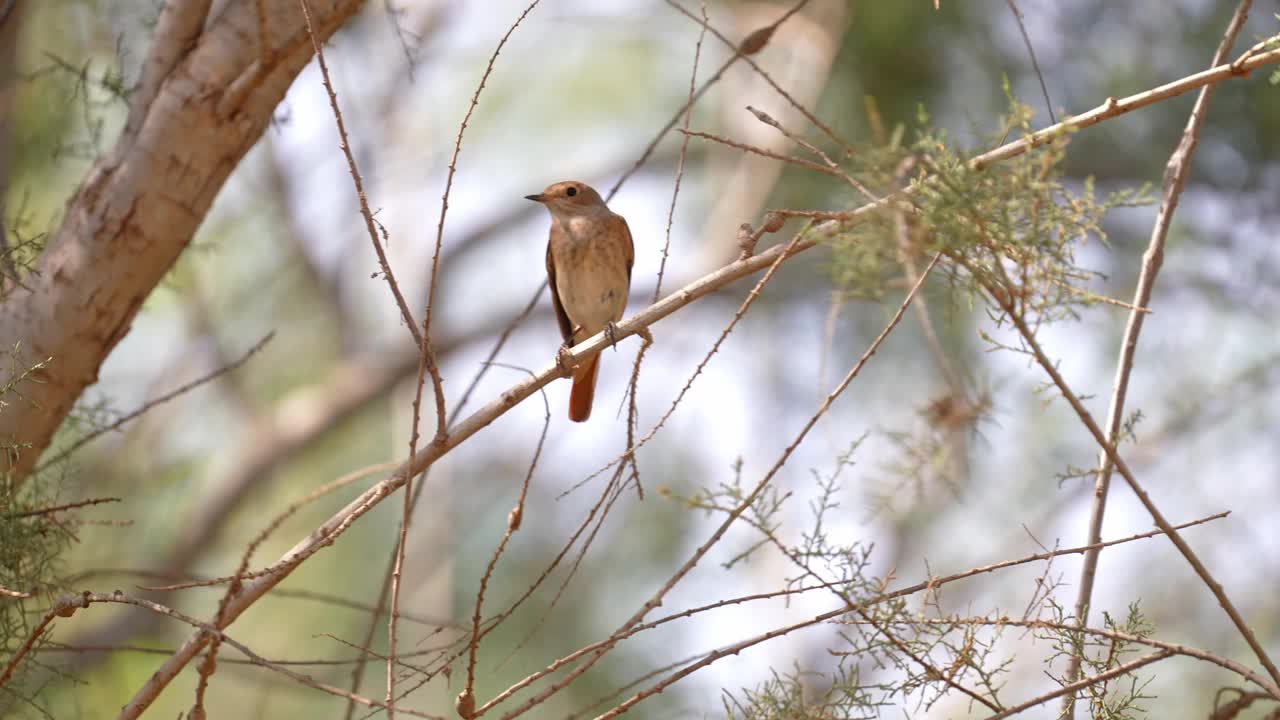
x,y
746,241
773,222
756,41
465,704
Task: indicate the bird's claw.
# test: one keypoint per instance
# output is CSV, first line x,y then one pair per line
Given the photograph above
x,y
564,358
611,332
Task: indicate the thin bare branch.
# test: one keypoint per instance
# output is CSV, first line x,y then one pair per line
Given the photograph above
x,y
768,119
134,415
1031,624
1174,180
684,152
380,606
929,585
357,180
67,605
633,411
813,119
1175,537
656,599
243,573
64,507
763,152
1114,672
1031,51
15,594
428,363
750,45
466,701
1112,107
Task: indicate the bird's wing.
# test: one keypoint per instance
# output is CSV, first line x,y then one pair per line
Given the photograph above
x,y
566,327
631,248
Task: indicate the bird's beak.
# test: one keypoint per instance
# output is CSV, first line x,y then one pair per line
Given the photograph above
x,y
536,198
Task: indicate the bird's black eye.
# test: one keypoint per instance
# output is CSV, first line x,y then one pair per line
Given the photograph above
x,y
571,191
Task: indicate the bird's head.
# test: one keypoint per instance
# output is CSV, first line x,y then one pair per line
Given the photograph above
x,y
570,198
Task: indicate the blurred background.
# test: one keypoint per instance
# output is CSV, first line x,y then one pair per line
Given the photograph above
x,y
577,93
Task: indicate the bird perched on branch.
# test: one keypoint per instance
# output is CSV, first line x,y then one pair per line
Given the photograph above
x,y
589,258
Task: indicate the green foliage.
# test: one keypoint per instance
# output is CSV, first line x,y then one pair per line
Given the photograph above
x,y
29,550
1118,698
18,372
884,654
83,92
724,498
803,695
30,545
23,241
1008,230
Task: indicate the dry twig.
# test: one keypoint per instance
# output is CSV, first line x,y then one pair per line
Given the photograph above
x,y
1174,179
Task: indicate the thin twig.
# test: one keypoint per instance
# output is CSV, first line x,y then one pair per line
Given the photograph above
x,y
1031,624
684,152
632,408
356,179
767,119
651,674
274,525
813,119
750,45
442,427
1114,672
927,586
907,257
738,647
866,615
380,607
65,507
751,297
1175,178
1035,65
697,370
67,605
1113,107
493,622
56,647
837,173
657,598
128,417
428,362
1175,537
466,703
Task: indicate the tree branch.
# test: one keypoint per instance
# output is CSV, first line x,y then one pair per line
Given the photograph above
x,y
140,205
1174,179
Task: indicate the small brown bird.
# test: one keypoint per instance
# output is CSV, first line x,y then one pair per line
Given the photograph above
x,y
589,258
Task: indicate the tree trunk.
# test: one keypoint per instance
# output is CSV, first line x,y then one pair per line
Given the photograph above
x,y
207,91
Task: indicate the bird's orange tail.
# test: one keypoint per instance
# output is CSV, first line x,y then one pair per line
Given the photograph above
x,y
584,390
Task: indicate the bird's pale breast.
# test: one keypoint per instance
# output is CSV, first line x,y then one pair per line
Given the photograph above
x,y
591,261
